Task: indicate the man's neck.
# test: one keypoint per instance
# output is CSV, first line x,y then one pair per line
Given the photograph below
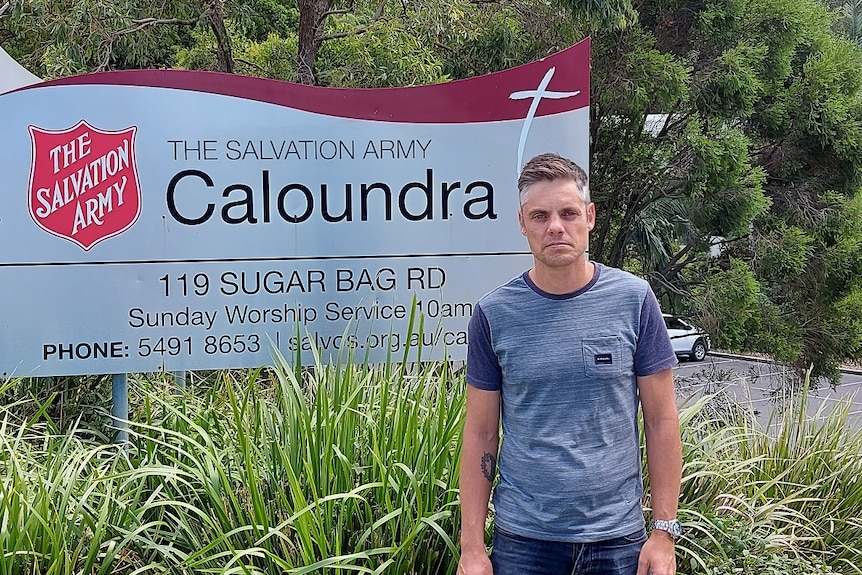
x,y
563,280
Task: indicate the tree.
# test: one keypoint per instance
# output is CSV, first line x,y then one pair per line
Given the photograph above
x,y
850,21
65,38
754,154
670,173
725,135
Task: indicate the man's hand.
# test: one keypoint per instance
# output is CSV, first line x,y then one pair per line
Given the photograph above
x,y
475,563
658,556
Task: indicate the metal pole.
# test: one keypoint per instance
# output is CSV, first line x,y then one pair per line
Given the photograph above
x,y
120,407
180,380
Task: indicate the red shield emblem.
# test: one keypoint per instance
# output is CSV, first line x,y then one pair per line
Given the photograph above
x,y
84,182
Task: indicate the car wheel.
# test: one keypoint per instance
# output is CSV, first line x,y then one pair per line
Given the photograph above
x,y
698,351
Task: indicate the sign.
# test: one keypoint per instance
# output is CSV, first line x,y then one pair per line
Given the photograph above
x,y
178,220
83,183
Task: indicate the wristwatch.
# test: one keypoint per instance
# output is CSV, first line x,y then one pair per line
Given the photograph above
x,y
673,527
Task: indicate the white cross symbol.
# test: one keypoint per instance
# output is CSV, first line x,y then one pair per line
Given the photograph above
x,y
536,95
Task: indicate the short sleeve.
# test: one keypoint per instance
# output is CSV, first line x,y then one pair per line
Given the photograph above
x,y
655,351
483,367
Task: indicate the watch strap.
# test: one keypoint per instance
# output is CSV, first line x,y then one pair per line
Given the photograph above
x,y
672,526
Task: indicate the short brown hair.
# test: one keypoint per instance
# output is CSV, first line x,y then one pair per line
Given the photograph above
x,y
549,167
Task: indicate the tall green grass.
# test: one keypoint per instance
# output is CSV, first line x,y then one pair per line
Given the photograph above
x,y
343,468
353,469
336,469
791,490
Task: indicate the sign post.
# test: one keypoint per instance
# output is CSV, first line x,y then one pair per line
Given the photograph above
x,y
120,406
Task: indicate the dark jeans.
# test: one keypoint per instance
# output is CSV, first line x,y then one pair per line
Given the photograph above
x,y
516,555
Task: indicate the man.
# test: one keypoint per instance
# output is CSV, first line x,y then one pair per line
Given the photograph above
x,y
564,354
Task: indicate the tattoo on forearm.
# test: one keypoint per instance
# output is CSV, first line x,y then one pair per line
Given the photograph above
x,y
489,466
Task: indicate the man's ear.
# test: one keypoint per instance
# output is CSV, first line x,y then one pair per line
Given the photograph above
x,y
521,223
591,216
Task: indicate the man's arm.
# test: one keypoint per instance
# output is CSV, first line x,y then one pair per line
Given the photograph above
x,y
664,461
478,468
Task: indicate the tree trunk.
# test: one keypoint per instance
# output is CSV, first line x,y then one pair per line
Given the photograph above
x,y
312,15
224,54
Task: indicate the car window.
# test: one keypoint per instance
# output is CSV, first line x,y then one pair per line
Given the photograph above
x,y
675,323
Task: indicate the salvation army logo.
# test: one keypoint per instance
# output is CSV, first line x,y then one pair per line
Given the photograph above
x,y
84,183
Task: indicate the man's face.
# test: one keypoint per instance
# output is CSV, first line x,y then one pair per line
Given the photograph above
x,y
556,222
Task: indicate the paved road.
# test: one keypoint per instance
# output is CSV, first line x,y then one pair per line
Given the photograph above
x,y
760,386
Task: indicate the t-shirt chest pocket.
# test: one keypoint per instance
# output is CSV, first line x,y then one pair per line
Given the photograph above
x,y
603,357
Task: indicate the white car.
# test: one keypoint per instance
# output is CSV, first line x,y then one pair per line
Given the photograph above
x,y
688,340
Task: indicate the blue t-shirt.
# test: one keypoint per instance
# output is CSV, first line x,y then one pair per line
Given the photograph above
x,y
567,367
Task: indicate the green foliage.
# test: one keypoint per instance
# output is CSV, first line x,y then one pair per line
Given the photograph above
x,y
771,501
257,20
62,503
788,28
831,98
349,468
64,37
850,22
273,58
731,121
354,468
824,244
778,335
848,319
725,188
757,142
472,39
733,83
199,54
609,13
780,250
636,81
367,60
737,550
61,404
727,305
